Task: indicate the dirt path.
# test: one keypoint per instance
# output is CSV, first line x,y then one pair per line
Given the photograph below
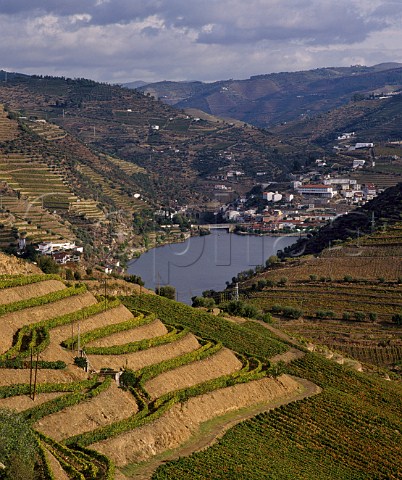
x,y
211,431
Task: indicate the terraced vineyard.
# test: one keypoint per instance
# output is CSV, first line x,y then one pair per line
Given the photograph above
x,y
351,431
348,298
8,130
83,421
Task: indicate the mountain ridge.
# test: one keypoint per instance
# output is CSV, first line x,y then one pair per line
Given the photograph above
x,y
281,96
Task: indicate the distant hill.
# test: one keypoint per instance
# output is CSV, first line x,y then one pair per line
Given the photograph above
x,y
180,154
265,100
135,84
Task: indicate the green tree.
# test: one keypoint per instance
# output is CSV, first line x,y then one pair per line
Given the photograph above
x,y
272,260
47,264
69,274
167,291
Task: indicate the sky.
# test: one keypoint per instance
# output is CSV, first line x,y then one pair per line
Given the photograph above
x,y
151,40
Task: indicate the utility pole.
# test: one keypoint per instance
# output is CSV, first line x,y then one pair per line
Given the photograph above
x,y
105,293
36,375
78,340
30,374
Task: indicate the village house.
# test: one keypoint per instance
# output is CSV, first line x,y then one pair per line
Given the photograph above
x,y
316,190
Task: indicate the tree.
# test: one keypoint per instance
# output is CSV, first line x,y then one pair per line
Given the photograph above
x,y
272,260
166,291
206,302
47,264
69,274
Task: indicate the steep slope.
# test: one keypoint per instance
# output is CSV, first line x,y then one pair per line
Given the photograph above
x,y
59,326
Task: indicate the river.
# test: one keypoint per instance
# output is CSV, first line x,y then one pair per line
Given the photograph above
x,y
203,263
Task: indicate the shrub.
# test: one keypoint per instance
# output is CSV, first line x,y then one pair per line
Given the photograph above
x,y
325,314
272,260
397,318
346,316
18,446
81,362
267,318
359,316
206,302
348,278
313,277
291,312
283,281
69,274
372,316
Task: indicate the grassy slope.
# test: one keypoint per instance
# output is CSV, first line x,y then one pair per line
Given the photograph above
x,y
249,338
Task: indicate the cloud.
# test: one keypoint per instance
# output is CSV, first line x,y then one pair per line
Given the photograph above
x,y
122,40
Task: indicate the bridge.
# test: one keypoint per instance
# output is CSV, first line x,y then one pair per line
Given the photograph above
x,y
217,226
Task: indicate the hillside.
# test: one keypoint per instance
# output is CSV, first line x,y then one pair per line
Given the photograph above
x,y
180,153
266,100
165,368
187,376
375,119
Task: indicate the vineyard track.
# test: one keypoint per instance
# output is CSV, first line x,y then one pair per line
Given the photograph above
x,y
25,292
154,329
91,414
143,358
211,431
58,334
10,376
221,363
23,402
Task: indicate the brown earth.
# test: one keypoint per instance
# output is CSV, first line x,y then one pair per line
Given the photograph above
x,y
184,419
137,360
10,265
153,329
109,406
10,376
116,287
221,363
25,292
23,402
58,334
11,322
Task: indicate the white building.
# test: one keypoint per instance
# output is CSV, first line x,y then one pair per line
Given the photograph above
x,y
46,248
272,196
357,163
325,191
364,145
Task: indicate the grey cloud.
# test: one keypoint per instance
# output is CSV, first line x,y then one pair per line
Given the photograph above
x,y
206,40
